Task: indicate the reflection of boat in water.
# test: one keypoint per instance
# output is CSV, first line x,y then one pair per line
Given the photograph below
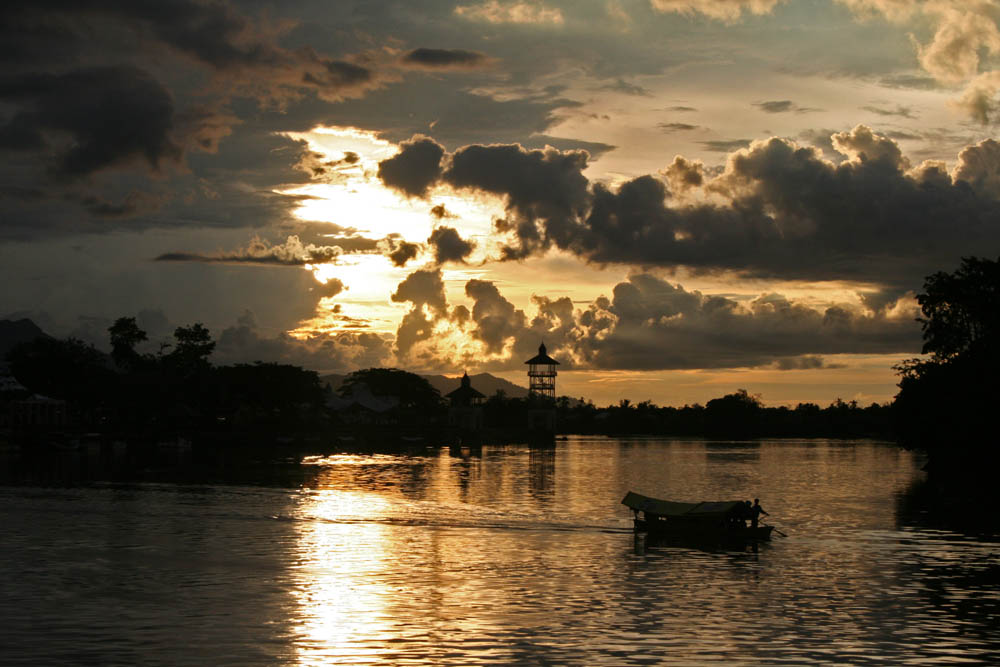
x,y
721,521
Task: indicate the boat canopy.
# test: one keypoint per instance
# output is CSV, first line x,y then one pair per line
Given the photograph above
x,y
703,510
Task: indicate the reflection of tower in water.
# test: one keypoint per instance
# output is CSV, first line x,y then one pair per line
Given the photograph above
x,y
542,396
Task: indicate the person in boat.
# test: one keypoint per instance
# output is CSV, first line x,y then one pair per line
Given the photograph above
x,y
755,512
746,514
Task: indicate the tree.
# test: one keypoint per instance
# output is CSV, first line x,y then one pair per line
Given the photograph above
x,y
412,390
125,335
194,346
733,415
66,369
961,309
946,402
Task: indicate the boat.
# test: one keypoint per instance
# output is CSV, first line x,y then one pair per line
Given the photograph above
x,y
716,520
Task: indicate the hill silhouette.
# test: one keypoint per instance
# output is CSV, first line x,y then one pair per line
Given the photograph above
x,y
14,332
483,382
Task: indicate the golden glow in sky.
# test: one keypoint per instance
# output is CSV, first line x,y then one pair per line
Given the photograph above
x,y
347,193
767,183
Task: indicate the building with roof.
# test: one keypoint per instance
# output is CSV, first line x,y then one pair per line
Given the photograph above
x,y
465,411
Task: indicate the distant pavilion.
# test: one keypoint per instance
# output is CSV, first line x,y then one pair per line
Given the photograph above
x,y
465,395
466,411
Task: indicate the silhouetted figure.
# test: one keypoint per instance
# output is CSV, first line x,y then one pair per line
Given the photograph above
x,y
741,515
755,512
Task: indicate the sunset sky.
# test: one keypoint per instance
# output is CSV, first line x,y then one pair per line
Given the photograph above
x,y
679,197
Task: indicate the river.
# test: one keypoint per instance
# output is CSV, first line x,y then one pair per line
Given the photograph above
x,y
504,555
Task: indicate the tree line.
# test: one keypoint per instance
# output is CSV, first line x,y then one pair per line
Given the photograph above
x,y
739,415
174,391
945,404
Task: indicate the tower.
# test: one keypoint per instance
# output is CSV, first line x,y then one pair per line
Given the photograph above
x,y
542,374
466,411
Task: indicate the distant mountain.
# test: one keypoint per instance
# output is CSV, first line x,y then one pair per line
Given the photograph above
x,y
485,383
13,332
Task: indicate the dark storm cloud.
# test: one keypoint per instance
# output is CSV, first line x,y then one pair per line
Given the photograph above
x,y
440,212
496,318
110,115
783,106
594,148
449,246
652,324
414,168
132,204
896,135
87,88
683,175
424,289
780,210
330,288
979,166
537,184
791,213
807,362
437,59
399,251
203,127
622,86
243,342
459,116
775,106
724,146
900,110
213,34
909,81
350,244
676,127
290,253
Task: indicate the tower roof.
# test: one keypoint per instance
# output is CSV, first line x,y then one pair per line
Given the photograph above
x,y
542,357
465,391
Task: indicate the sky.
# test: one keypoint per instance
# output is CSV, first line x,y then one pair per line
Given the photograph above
x,y
680,198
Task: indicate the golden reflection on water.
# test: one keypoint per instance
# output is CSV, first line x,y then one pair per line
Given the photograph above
x,y
374,581
341,604
515,555
504,555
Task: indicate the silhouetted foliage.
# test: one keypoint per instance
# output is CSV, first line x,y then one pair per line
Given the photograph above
x,y
125,334
413,391
193,348
961,310
282,396
69,369
734,415
147,397
946,402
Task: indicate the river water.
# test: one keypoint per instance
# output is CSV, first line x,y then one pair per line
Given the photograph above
x,y
504,555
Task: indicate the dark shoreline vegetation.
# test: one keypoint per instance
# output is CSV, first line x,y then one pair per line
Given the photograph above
x,y
179,394
945,405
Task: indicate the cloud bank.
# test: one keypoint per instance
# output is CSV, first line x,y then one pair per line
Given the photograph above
x,y
647,324
776,210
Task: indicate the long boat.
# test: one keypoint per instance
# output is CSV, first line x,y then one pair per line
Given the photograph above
x,y
719,520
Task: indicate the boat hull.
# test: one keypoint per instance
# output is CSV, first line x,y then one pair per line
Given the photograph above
x,y
707,532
